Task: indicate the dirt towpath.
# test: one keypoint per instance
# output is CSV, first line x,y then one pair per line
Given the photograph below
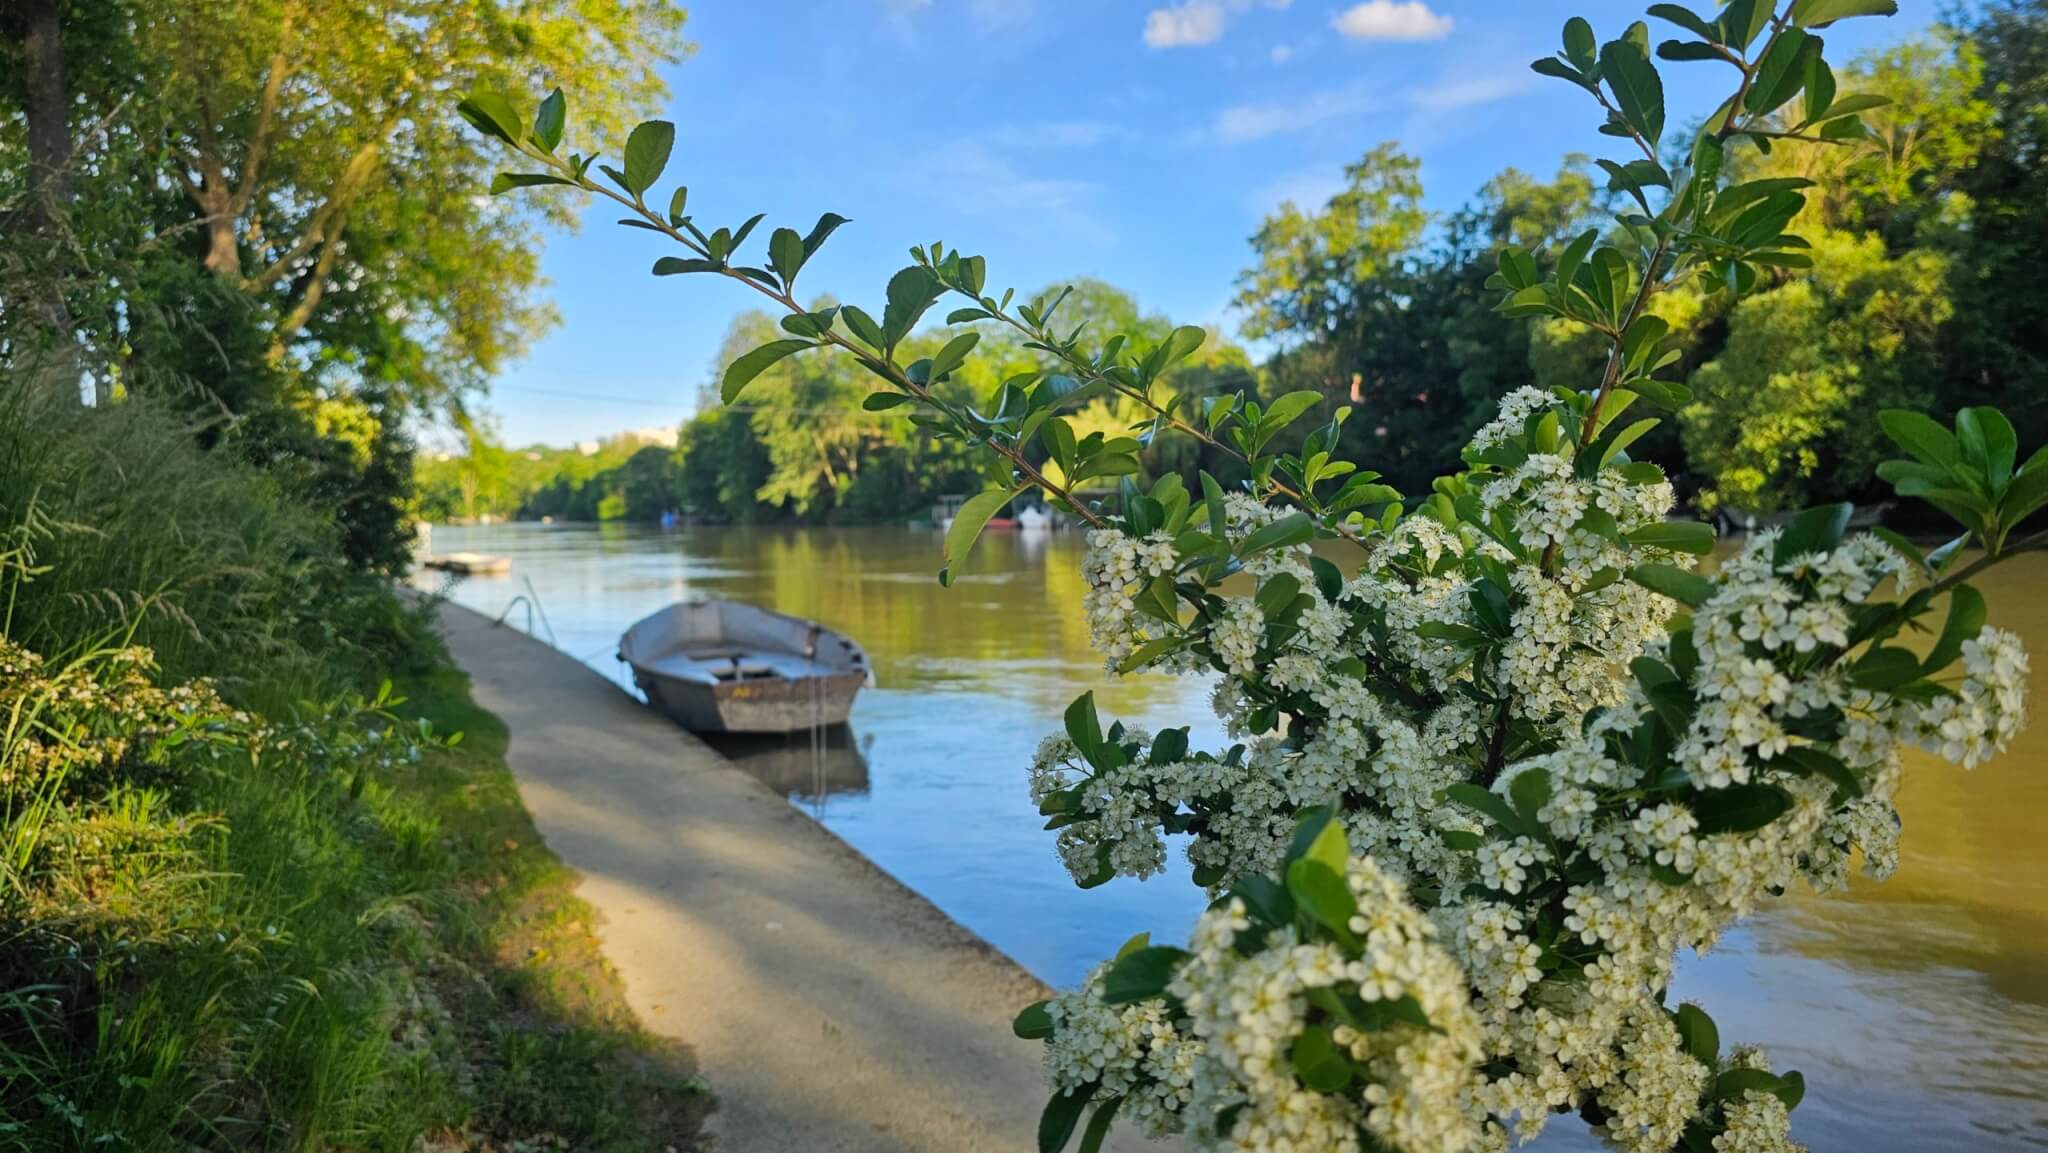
x,y
830,1007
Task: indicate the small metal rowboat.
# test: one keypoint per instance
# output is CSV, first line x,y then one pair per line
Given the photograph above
x,y
727,667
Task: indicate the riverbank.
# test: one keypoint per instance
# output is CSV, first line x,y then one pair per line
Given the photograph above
x,y
830,1007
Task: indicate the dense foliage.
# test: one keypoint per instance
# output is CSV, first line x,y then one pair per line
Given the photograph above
x,y
255,211
1506,757
803,448
248,899
1922,292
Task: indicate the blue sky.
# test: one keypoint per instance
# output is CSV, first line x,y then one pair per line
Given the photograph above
x,y
1139,141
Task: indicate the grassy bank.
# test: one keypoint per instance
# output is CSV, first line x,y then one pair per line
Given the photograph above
x,y
556,1049
250,899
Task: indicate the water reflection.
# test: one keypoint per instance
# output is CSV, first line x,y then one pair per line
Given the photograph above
x,y
1918,1009
808,767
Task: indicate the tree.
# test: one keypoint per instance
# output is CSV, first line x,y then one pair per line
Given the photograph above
x,y
1779,417
279,219
1409,337
1996,352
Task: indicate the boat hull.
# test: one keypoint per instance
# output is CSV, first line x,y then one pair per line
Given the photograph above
x,y
768,705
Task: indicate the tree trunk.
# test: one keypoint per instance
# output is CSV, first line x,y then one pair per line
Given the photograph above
x,y
47,107
49,120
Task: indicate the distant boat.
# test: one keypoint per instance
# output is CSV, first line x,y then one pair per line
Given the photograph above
x,y
727,667
469,563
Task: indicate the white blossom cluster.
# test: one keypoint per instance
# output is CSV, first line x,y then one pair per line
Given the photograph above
x,y
1135,1052
1412,1081
1117,568
1558,927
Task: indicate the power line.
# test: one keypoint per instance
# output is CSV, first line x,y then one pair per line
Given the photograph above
x,y
644,402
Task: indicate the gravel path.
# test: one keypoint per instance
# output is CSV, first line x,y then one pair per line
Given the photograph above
x,y
830,1007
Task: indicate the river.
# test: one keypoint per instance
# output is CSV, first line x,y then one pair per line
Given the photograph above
x,y
1918,1009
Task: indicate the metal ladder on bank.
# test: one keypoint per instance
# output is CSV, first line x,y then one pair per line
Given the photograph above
x,y
531,599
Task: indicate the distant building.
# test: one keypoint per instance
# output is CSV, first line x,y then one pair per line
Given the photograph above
x,y
663,435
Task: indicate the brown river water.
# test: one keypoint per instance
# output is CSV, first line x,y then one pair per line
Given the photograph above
x,y
1918,1009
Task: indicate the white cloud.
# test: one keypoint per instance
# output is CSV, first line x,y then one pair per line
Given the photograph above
x,y
1455,94
1192,22
1188,23
1280,53
1246,122
1392,20
1057,209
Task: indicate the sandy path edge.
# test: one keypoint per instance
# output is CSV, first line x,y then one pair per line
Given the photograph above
x,y
830,1007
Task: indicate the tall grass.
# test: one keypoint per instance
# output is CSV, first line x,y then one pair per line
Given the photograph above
x,y
283,917
210,564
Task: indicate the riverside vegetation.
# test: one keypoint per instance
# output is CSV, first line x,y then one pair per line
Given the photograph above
x,y
267,882
254,892
1497,770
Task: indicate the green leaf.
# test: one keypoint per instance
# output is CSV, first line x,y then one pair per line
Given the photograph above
x,y
1733,1083
1286,410
549,120
1739,808
1098,1126
2027,492
1687,536
1034,1023
786,253
1742,21
911,292
1965,622
1885,669
1579,44
884,401
1323,893
967,525
1618,442
1486,803
1530,791
1821,13
1996,445
1293,529
1924,438
1809,760
1182,343
1852,104
1688,588
1318,1063
1319,836
743,370
647,149
1638,91
1084,728
1062,1113
1574,255
1142,974
492,114
1697,1032
954,354
819,231
1816,529
862,325
1780,73
1684,18
505,182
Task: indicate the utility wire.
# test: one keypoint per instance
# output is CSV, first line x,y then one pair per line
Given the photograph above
x,y
645,403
